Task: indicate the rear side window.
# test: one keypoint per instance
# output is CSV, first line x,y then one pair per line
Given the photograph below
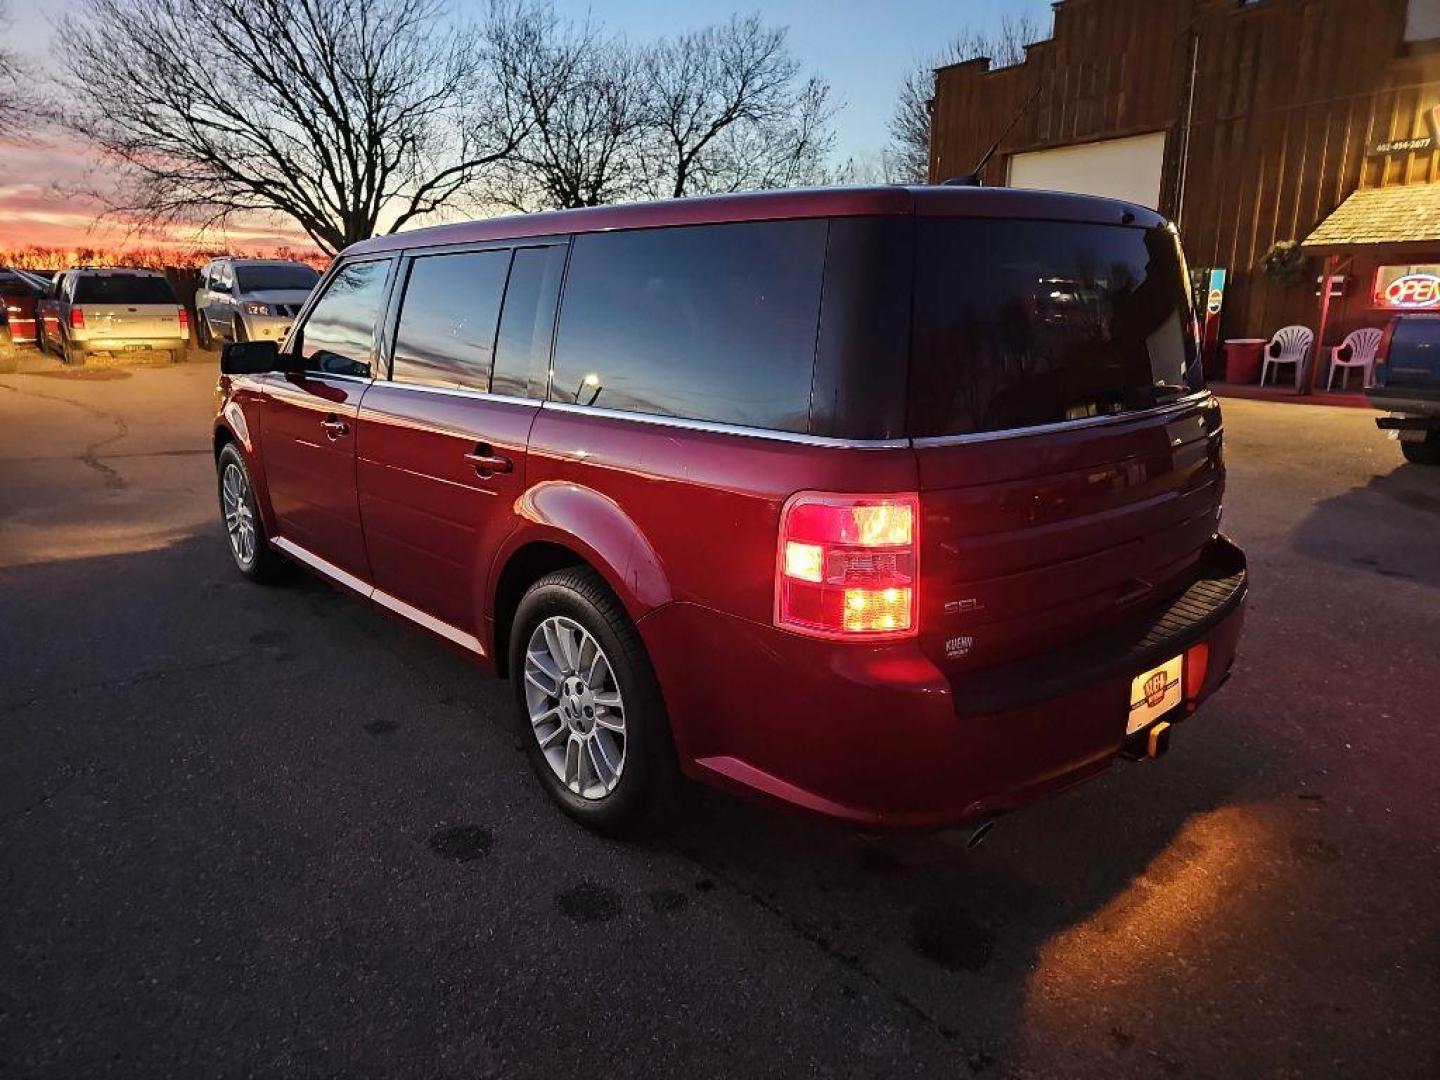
x,y
123,289
710,322
446,335
527,323
1023,323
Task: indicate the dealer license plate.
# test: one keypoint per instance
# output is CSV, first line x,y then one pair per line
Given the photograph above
x,y
1153,693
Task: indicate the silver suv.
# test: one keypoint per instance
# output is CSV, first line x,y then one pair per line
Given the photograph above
x,y
250,299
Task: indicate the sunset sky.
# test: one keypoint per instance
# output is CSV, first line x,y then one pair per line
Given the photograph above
x,y
863,48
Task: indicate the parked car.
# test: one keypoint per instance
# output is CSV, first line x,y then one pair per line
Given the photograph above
x,y
250,299
18,293
792,493
1407,385
91,310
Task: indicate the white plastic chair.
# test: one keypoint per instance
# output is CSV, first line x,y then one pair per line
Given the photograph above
x,y
1363,346
1294,348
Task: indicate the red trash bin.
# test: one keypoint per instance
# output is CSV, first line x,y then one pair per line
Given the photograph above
x,y
1243,359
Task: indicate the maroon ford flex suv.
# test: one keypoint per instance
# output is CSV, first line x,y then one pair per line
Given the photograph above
x,y
899,506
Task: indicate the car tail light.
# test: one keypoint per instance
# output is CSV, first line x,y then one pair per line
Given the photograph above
x,y
1197,663
847,566
77,318
184,319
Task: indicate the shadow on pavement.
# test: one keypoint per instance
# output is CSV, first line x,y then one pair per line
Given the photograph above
x,y
213,745
1355,528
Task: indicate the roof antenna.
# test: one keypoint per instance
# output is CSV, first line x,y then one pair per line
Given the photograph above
x,y
972,178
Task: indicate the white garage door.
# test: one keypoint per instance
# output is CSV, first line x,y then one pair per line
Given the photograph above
x,y
1118,168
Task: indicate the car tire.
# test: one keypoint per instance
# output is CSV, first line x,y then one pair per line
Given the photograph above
x,y
252,555
178,356
237,330
70,355
1423,453
203,337
610,782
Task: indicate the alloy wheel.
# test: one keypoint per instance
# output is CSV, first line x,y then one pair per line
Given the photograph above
x,y
239,520
575,707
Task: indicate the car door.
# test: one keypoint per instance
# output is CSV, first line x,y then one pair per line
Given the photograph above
x,y
442,442
220,307
203,293
48,309
308,420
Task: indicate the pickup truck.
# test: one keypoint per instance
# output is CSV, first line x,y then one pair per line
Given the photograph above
x,y
1407,386
89,311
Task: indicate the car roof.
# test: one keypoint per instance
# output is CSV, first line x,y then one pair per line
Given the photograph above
x,y
892,200
260,262
111,271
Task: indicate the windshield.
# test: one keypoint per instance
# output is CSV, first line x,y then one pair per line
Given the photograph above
x,y
123,289
1023,323
278,276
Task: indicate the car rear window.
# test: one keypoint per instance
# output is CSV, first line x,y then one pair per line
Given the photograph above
x,y
261,278
708,322
123,289
1024,323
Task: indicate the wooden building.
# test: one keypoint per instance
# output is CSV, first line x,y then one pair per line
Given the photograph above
x,y
1248,123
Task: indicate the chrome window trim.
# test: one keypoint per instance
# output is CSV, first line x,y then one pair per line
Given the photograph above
x,y
460,391
728,429
1062,425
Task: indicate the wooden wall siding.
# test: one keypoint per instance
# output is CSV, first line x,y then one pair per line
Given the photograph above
x,y
1288,96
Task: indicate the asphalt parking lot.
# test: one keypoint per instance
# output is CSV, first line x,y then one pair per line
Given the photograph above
x,y
250,831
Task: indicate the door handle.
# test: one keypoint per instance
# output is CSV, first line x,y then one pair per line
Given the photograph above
x,y
335,428
487,462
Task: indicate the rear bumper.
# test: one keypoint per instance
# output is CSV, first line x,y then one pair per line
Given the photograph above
x,y
127,344
1408,400
880,738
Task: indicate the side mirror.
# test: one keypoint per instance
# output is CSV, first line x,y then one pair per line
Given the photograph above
x,y
250,358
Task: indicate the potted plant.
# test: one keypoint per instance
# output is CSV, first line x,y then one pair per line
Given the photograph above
x,y
1285,263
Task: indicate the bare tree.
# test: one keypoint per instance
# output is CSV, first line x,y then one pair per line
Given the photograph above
x,y
20,107
348,117
589,112
908,154
728,111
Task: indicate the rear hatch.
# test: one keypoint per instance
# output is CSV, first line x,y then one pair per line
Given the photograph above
x,y
1069,458
120,306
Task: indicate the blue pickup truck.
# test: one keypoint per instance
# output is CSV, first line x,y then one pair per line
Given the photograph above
x,y
1406,384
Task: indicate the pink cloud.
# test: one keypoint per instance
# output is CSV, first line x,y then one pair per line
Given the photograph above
x,y
39,205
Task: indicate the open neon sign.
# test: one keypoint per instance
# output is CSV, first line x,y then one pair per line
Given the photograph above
x,y
1416,289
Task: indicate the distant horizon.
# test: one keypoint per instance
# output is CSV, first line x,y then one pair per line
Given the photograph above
x,y
863,50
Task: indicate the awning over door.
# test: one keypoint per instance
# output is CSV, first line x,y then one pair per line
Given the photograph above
x,y
1403,215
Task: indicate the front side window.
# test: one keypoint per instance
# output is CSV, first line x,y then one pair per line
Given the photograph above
x,y
338,337
1024,323
708,322
446,335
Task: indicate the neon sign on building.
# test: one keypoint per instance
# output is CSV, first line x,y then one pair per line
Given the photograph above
x,y
1407,288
